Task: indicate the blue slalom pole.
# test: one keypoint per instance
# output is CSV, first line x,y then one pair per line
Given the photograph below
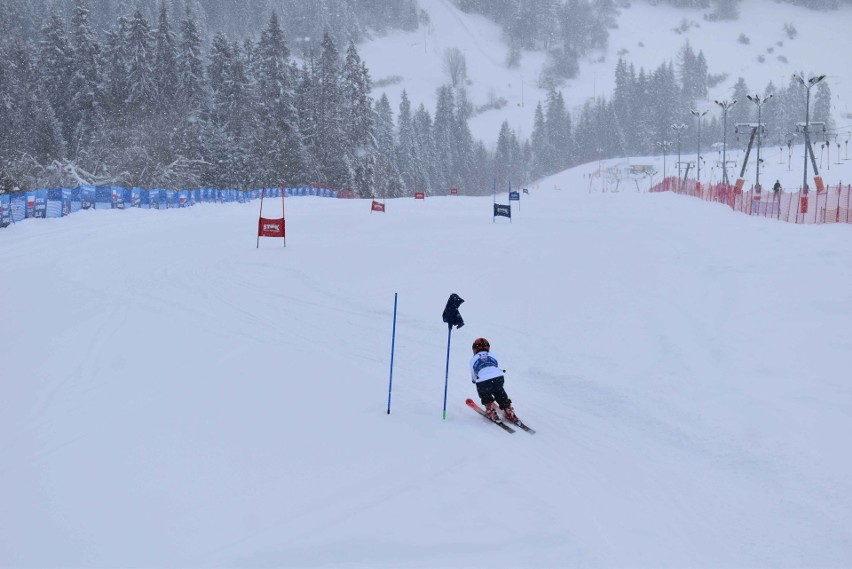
x,y
393,340
447,373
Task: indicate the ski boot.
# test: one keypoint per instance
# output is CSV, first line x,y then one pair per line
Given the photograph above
x,y
491,411
510,414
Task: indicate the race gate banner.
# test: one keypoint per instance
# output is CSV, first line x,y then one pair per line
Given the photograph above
x,y
270,227
514,197
419,195
377,206
502,210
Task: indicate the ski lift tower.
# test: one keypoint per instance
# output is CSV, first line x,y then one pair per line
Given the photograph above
x,y
806,129
740,128
759,101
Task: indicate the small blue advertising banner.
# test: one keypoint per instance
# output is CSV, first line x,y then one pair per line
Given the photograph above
x,y
87,195
30,211
76,199
5,210
19,207
117,197
67,195
54,203
39,203
514,197
103,197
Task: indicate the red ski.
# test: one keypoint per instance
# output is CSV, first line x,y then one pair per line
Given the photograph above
x,y
517,422
472,404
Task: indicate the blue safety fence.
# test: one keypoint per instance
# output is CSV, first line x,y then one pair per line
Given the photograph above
x,y
61,202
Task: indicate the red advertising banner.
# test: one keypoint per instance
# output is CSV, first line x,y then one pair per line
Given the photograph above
x,y
454,191
377,206
270,227
419,195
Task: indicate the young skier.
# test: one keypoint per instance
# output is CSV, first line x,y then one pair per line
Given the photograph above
x,y
485,372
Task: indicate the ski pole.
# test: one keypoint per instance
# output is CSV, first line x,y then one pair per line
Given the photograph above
x,y
447,373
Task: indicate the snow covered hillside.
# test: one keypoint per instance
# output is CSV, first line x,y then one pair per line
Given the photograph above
x,y
174,397
647,35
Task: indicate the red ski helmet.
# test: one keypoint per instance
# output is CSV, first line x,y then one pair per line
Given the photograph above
x,y
480,345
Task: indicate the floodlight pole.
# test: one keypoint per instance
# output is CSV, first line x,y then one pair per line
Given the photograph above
x,y
725,106
698,115
678,128
664,145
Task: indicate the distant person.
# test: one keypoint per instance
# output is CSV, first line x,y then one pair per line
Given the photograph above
x,y
485,372
777,188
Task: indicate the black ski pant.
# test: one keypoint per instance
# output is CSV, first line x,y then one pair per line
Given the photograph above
x,y
492,390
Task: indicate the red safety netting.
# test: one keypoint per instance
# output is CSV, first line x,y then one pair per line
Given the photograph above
x,y
831,205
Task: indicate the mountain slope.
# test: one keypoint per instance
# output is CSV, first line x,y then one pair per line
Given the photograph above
x,y
647,35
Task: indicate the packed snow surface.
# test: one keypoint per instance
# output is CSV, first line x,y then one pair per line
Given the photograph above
x,y
176,397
